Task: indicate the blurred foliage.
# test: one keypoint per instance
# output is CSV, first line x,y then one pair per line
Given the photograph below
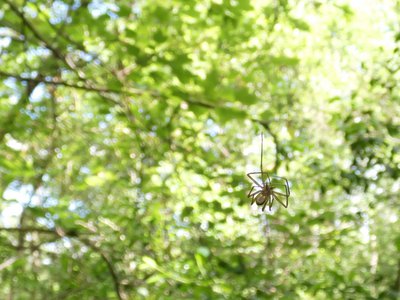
x,y
127,129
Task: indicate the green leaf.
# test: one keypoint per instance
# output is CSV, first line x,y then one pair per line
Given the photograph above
x,y
150,262
203,251
187,211
397,243
226,114
285,60
244,96
300,24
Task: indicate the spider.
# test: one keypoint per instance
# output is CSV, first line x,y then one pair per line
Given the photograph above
x,y
267,191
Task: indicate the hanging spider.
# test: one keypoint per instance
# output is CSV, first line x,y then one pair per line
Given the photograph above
x,y
273,188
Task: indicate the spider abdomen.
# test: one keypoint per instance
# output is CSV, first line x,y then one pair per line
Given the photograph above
x,y
260,199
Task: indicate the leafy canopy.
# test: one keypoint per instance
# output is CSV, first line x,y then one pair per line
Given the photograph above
x,y
127,128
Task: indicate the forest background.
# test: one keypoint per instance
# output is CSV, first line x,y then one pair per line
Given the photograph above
x,y
127,129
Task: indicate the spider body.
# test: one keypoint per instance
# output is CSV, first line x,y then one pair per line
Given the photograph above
x,y
266,192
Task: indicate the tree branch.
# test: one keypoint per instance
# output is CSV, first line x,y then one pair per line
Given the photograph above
x,y
36,33
9,120
263,123
110,267
91,88
53,81
79,85
396,286
56,51
8,262
59,232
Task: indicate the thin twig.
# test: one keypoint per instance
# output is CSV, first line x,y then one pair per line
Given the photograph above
x,y
79,86
110,267
36,33
28,229
9,121
8,262
396,286
56,51
58,231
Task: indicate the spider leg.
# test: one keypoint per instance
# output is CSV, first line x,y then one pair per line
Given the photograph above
x,y
256,192
271,202
253,191
286,184
263,183
279,200
281,194
282,188
285,205
278,197
249,194
252,179
268,178
287,188
265,204
268,201
254,196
